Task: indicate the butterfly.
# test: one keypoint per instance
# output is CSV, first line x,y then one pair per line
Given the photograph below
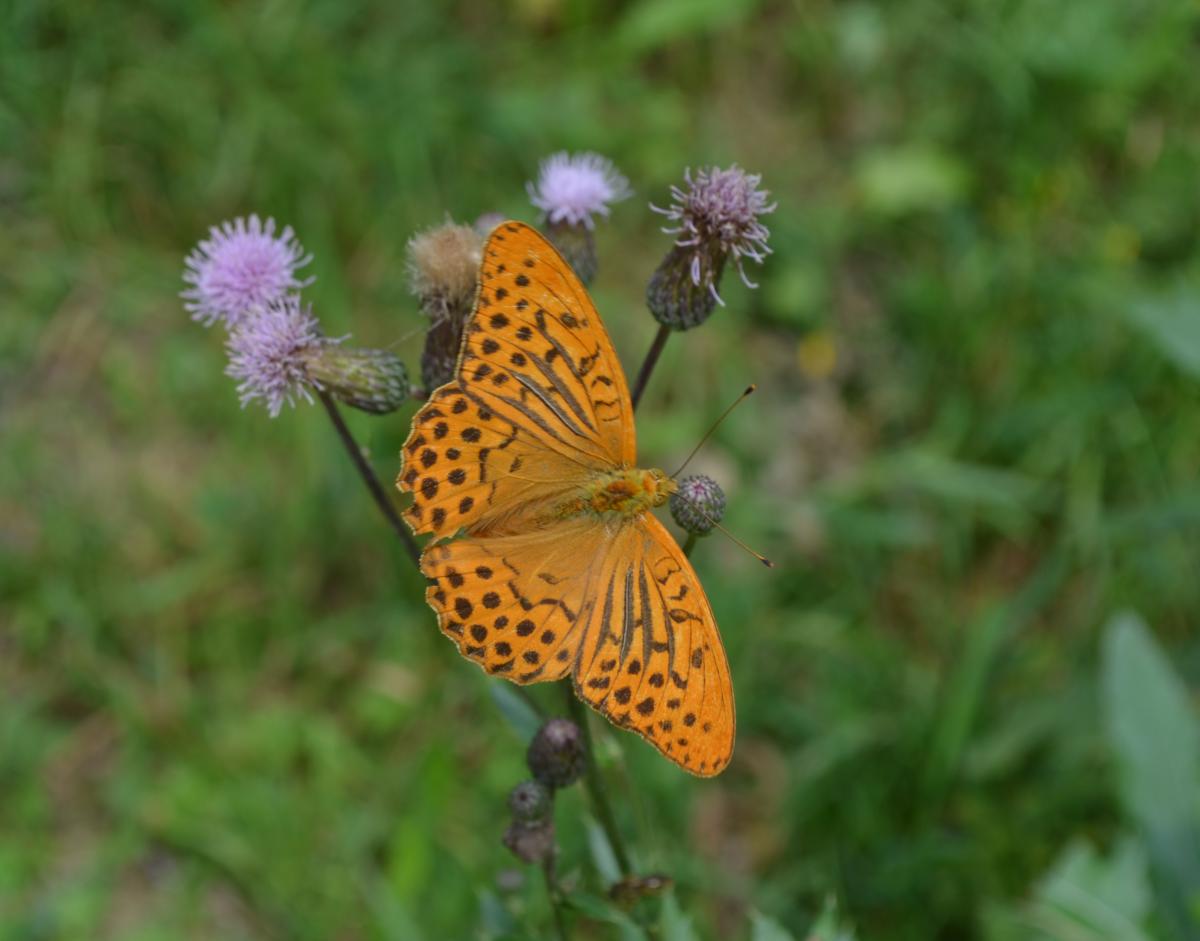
x,y
561,569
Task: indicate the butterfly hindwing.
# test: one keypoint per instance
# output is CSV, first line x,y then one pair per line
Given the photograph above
x,y
652,661
516,605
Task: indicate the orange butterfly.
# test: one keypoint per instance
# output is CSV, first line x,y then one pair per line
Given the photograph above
x,y
531,452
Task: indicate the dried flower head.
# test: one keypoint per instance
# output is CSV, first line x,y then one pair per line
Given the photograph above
x,y
571,188
718,220
242,265
268,351
698,504
556,755
443,264
531,842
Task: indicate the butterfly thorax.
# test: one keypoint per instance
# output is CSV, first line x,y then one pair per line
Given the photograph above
x,y
628,492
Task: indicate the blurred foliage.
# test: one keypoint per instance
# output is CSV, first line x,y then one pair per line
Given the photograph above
x,y
227,712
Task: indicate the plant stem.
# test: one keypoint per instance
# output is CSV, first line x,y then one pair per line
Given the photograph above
x,y
364,471
652,355
689,544
595,784
560,920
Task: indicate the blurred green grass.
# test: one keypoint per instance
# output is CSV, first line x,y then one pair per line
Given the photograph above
x,y
227,712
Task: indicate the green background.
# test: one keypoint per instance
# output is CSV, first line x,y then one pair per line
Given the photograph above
x,y
226,711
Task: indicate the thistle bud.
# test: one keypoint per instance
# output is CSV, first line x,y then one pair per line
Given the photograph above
x,y
556,756
530,801
571,189
530,842
443,265
698,504
675,296
374,381
717,223
577,245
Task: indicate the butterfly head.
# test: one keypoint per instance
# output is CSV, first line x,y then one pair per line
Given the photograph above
x,y
660,485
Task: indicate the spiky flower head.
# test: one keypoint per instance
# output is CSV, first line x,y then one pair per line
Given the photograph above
x,y
530,801
571,188
443,264
556,755
279,355
268,351
698,504
243,265
717,221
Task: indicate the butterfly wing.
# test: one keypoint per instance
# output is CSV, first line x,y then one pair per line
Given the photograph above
x,y
651,659
619,608
518,605
538,406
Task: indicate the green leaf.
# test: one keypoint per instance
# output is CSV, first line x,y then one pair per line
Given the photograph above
x,y
602,910
1171,321
1151,727
519,714
1157,741
763,928
603,857
1084,897
660,22
909,179
828,926
676,926
1109,896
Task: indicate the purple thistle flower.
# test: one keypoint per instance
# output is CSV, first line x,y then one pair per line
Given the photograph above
x,y
572,188
242,265
268,351
718,215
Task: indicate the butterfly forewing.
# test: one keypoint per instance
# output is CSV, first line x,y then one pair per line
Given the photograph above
x,y
538,407
537,351
467,466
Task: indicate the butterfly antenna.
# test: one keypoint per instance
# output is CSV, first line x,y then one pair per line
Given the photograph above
x,y
717,424
699,509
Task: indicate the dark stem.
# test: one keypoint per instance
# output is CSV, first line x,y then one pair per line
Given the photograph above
x,y
689,544
652,355
595,784
560,920
364,471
